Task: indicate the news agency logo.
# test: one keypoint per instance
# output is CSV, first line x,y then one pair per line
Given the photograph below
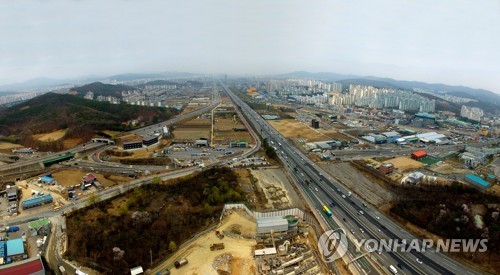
x,y
333,245
416,245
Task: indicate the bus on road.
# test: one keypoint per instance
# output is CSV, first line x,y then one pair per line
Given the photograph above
x,y
327,211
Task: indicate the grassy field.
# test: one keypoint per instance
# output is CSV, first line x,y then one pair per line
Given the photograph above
x,y
292,128
428,160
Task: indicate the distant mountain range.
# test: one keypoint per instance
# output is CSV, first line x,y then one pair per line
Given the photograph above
x,y
43,82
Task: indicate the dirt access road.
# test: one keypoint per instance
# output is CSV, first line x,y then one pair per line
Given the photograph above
x,y
201,259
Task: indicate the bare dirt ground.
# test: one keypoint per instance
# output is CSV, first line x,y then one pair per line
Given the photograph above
x,y
447,169
405,163
201,259
359,184
292,128
277,188
191,133
56,135
7,145
68,177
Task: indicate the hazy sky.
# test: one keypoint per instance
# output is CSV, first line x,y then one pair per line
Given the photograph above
x,y
452,42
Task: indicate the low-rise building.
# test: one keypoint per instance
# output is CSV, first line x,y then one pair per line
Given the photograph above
x,y
238,144
386,168
477,181
15,249
132,145
38,201
31,266
418,154
271,224
148,141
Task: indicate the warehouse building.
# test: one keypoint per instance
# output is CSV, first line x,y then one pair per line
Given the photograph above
x,y
31,266
201,143
271,224
38,201
150,141
15,249
132,145
47,180
418,154
477,181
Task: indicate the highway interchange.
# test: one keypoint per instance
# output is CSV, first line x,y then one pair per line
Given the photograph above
x,y
314,182
374,224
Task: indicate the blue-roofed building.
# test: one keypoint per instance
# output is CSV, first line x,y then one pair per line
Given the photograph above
x,y
15,249
47,180
491,178
38,201
477,181
2,253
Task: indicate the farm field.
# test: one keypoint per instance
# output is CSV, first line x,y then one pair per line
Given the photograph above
x,y
223,130
191,133
292,128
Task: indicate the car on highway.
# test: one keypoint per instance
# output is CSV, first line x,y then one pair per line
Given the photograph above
x,y
377,217
343,196
419,261
352,231
361,230
338,190
364,204
315,188
360,212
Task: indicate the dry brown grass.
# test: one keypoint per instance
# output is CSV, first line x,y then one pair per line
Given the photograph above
x,y
71,142
405,163
7,145
191,133
53,136
72,176
292,128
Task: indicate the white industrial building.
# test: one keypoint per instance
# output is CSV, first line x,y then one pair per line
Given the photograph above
x,y
271,224
432,137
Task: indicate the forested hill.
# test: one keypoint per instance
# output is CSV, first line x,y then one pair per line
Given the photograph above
x,y
81,117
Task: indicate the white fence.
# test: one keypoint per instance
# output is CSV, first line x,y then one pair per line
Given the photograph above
x,y
277,213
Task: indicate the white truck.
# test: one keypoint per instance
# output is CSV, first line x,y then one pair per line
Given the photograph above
x,y
393,269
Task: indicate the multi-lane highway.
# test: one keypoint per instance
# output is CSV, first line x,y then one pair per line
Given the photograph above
x,y
369,224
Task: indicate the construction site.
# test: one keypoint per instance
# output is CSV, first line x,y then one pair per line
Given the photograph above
x,y
246,242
